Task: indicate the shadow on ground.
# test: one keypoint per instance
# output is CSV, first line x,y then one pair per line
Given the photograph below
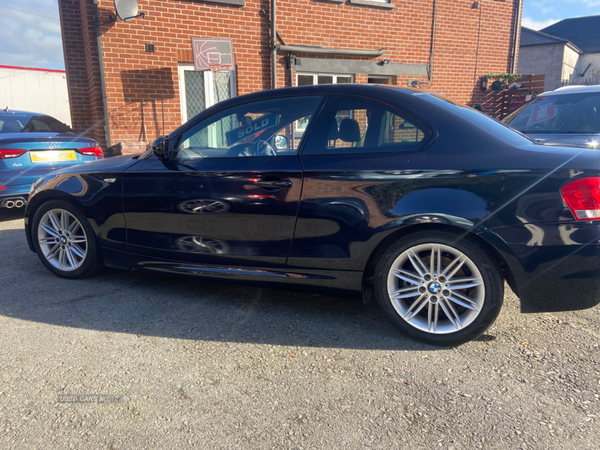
x,y
150,305
11,214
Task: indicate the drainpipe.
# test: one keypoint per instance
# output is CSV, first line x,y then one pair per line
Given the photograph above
x,y
517,36
102,83
273,45
432,42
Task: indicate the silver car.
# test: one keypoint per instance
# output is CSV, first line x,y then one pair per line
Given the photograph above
x,y
567,116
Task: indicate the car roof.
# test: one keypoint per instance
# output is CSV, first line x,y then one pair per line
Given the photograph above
x,y
372,91
10,112
572,90
330,89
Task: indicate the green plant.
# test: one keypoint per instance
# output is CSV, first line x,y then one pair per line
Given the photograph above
x,y
501,80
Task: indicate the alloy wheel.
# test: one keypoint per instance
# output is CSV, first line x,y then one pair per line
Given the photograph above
x,y
62,240
436,288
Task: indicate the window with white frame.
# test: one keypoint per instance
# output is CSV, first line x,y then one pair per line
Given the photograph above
x,y
310,79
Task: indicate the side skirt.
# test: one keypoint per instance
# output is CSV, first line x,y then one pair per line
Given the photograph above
x,y
331,282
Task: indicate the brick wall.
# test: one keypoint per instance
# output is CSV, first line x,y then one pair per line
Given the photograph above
x,y
468,43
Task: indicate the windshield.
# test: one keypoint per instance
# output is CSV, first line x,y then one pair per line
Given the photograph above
x,y
565,113
29,122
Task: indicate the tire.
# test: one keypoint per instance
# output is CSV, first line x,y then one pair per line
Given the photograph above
x,y
410,294
64,241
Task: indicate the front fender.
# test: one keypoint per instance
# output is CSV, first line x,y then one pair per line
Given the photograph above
x,y
98,196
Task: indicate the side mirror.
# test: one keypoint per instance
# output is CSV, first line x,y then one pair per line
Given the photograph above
x,y
281,142
159,147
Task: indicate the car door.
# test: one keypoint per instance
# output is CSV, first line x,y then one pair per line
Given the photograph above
x,y
228,191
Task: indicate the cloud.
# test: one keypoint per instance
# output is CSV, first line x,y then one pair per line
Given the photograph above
x,y
537,24
587,3
544,6
31,38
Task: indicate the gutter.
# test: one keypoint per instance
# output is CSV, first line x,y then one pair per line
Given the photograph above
x,y
102,81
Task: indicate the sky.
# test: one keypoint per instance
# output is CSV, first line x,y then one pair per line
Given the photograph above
x,y
30,29
30,34
538,14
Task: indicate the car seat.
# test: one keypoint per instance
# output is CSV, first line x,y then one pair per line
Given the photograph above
x,y
349,131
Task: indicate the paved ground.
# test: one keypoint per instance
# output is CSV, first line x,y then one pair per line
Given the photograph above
x,y
216,366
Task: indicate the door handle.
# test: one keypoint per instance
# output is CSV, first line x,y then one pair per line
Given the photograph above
x,y
273,184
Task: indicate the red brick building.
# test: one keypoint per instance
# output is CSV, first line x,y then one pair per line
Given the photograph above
x,y
437,45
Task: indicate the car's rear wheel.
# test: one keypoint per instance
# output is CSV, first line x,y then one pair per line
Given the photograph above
x,y
439,288
64,241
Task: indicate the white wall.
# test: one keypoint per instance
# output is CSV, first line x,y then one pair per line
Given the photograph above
x,y
594,60
570,61
35,91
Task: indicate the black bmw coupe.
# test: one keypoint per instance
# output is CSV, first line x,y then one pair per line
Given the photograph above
x,y
398,195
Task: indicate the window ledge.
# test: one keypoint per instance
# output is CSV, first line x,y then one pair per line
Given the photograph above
x,y
373,4
339,2
228,2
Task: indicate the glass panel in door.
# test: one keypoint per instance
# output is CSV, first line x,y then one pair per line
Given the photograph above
x,y
195,92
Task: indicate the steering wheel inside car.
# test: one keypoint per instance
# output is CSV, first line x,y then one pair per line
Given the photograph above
x,y
263,148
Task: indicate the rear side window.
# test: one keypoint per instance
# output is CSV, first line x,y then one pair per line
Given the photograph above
x,y
349,125
565,113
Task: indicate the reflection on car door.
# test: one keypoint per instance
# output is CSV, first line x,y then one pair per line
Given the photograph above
x,y
212,210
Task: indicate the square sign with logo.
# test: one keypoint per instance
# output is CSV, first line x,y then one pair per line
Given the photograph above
x,y
211,52
542,111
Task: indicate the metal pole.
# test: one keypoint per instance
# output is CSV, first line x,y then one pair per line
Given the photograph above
x,y
273,45
162,102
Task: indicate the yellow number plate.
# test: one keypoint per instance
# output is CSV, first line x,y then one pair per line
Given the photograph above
x,y
53,155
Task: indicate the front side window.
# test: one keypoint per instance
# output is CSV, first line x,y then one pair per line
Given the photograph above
x,y
266,128
353,125
565,113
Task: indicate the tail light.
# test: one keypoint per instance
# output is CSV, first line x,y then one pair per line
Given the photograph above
x,y
91,151
583,198
6,153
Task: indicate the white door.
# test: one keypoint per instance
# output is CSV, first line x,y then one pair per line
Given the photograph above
x,y
201,89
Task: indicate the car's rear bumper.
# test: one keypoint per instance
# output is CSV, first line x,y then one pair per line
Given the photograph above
x,y
14,193
555,267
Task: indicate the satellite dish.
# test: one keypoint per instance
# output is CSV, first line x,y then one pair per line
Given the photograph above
x,y
127,9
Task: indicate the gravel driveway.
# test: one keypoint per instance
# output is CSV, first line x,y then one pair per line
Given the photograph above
x,y
166,363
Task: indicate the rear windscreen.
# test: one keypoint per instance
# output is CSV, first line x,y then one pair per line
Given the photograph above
x,y
30,123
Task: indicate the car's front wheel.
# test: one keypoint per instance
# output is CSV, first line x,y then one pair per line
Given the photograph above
x,y
64,240
439,288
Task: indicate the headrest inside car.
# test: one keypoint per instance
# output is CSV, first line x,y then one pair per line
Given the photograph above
x,y
349,130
